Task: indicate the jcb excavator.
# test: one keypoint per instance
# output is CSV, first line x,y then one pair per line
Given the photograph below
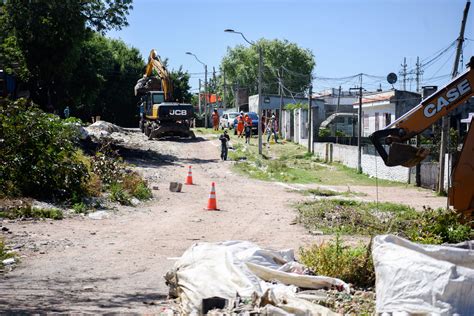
x,y
421,117
159,115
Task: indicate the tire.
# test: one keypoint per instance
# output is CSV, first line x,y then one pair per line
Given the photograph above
x,y
147,130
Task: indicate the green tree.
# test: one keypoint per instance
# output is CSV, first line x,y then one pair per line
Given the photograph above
x,y
241,66
181,87
49,35
104,79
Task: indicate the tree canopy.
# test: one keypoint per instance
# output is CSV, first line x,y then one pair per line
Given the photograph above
x,y
181,87
104,79
43,40
280,58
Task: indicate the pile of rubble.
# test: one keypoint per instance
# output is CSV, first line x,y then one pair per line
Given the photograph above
x,y
102,129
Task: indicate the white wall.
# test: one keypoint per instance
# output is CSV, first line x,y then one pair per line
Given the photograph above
x,y
371,165
285,130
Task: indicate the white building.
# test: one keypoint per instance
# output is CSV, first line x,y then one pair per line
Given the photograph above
x,y
382,108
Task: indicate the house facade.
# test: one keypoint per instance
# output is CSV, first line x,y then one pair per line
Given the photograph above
x,y
382,108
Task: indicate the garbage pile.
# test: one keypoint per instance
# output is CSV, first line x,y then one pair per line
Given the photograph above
x,y
239,277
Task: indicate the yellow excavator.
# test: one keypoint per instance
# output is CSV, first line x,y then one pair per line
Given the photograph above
x,y
421,117
159,115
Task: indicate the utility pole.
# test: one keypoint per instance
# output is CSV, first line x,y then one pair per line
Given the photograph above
x,y
310,114
359,129
359,132
403,73
225,91
445,121
214,85
200,109
260,66
280,86
337,110
205,96
236,101
419,72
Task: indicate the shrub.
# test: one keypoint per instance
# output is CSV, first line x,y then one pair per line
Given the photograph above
x,y
136,186
4,254
29,212
39,156
118,194
94,186
80,208
350,264
439,226
108,168
353,217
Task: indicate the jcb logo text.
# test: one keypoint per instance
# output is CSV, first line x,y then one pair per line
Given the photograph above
x,y
178,112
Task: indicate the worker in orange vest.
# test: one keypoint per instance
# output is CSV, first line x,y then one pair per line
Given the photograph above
x,y
215,120
240,124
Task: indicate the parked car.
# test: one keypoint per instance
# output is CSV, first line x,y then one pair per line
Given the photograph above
x,y
255,122
227,120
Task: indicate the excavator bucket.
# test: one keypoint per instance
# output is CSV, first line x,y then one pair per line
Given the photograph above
x,y
405,155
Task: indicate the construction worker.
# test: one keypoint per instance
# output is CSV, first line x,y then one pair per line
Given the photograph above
x,y
215,120
224,138
272,128
248,128
240,124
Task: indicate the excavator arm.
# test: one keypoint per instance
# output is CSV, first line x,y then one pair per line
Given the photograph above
x,y
156,77
430,110
420,118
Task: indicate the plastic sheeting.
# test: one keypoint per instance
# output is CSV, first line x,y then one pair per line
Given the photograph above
x,y
239,268
423,279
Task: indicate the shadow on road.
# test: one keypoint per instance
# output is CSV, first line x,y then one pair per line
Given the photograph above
x,y
145,158
66,297
181,139
148,158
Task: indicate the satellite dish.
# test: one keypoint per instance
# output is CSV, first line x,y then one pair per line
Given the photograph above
x,y
392,78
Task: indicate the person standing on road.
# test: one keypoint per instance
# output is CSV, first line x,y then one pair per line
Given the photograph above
x,y
66,112
272,128
240,124
248,128
224,138
215,120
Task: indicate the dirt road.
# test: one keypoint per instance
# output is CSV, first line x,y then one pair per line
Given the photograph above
x,y
117,264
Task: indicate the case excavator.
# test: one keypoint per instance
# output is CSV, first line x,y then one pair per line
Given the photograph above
x,y
159,115
441,103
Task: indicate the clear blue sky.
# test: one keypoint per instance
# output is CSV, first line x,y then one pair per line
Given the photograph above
x,y
347,37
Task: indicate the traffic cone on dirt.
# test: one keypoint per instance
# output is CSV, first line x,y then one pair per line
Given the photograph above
x,y
212,202
189,178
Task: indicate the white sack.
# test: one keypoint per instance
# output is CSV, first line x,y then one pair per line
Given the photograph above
x,y
429,279
224,269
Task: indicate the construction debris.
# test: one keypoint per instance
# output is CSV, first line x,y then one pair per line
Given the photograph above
x,y
243,277
102,129
176,186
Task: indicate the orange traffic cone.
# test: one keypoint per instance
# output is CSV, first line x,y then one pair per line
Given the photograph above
x,y
189,178
212,202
